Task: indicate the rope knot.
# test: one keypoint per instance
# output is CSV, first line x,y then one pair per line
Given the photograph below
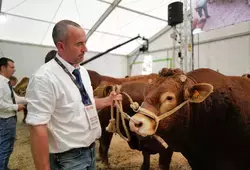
x,y
111,126
135,106
117,88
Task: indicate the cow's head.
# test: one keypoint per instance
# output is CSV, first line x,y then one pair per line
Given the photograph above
x,y
20,88
168,93
246,75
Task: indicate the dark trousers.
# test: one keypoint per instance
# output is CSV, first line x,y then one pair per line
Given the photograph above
x,y
7,139
74,159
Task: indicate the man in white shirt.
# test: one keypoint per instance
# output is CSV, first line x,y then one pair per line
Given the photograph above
x,y
61,106
8,110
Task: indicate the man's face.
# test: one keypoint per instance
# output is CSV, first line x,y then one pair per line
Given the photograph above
x,y
74,46
9,70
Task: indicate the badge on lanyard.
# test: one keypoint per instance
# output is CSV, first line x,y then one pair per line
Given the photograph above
x,y
92,116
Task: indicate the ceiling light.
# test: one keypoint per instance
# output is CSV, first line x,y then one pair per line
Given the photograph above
x,y
197,31
3,17
147,66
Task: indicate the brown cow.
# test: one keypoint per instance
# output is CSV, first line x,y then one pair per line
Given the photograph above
x,y
97,79
20,90
135,89
202,114
134,86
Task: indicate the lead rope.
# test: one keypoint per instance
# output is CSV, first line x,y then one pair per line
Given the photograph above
x,y
114,127
111,126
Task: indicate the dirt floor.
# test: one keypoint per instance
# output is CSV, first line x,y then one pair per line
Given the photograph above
x,y
120,155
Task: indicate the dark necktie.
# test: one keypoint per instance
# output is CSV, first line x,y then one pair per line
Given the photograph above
x,y
12,93
85,98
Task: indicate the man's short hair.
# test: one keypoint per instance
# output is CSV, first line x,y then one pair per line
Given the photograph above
x,y
50,55
60,30
4,62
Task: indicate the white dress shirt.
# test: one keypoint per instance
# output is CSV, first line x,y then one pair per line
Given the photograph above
x,y
55,100
7,108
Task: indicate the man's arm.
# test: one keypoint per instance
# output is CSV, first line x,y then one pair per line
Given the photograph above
x,y
107,101
6,107
39,146
41,104
102,102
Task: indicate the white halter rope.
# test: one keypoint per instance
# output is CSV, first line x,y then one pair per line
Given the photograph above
x,y
157,119
114,125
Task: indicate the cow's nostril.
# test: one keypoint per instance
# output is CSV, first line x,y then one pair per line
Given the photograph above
x,y
139,124
169,98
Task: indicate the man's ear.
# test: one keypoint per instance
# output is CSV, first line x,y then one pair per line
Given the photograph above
x,y
60,45
2,68
198,92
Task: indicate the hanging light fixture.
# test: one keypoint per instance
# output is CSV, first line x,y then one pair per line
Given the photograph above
x,y
3,17
147,66
197,31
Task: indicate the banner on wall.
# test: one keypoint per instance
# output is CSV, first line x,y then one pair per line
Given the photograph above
x,y
213,14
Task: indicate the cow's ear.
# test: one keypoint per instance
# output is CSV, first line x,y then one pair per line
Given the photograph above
x,y
102,91
198,92
107,90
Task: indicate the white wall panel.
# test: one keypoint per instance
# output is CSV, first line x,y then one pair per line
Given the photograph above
x,y
28,58
230,57
226,49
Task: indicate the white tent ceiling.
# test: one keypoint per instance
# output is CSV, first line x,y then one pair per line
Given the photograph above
x,y
106,22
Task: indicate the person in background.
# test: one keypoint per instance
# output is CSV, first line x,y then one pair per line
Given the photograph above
x,y
202,5
13,81
50,55
62,109
10,104
198,25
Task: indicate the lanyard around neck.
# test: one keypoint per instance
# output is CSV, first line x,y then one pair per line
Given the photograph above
x,y
72,78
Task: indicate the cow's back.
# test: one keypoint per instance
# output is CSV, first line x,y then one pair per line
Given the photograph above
x,y
236,88
204,75
221,124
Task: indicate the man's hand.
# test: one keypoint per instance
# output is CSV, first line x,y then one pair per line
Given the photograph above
x,y
107,101
114,96
20,107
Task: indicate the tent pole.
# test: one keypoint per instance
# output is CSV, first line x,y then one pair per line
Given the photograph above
x,y
111,49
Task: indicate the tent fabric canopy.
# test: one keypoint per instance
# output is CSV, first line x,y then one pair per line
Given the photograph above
x,y
32,21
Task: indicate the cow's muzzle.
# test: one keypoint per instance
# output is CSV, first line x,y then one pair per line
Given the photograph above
x,y
145,123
